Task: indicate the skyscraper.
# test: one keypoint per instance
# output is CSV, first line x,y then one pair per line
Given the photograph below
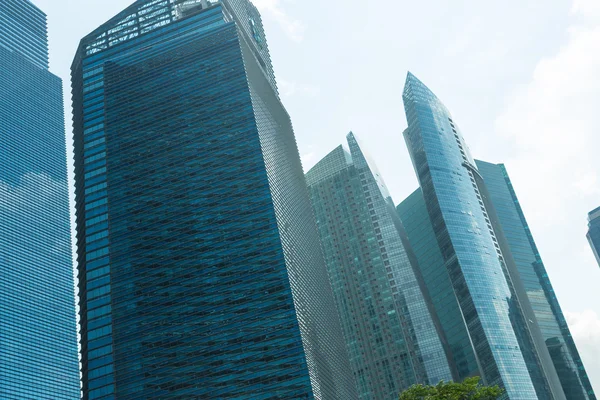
x,y
390,333
490,307
415,219
549,316
200,268
593,234
38,334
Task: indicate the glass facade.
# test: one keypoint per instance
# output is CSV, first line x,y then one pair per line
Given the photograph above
x,y
505,348
38,333
593,234
199,271
415,219
390,333
23,30
532,272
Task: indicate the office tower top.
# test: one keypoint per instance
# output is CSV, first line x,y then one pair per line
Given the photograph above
x,y
200,268
145,17
390,333
38,333
593,234
506,351
547,310
23,30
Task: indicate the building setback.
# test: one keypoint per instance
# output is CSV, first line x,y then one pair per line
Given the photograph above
x,y
549,316
38,332
593,234
485,311
390,332
200,268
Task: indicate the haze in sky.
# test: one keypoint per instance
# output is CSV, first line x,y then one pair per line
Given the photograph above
x,y
521,77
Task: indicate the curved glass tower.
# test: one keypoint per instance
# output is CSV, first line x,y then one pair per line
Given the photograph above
x,y
390,331
38,330
415,220
200,268
505,349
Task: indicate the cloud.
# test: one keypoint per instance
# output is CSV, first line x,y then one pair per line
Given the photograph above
x,y
293,28
34,192
553,120
586,8
585,328
585,325
36,206
587,184
289,89
307,161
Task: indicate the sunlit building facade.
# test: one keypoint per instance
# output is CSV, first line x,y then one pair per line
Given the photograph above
x,y
38,333
487,318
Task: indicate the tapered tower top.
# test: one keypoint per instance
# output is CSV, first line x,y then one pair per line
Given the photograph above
x,y
417,91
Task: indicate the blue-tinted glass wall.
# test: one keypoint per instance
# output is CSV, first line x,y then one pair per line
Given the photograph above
x,y
415,220
23,30
200,274
504,346
38,336
549,316
593,234
390,334
415,217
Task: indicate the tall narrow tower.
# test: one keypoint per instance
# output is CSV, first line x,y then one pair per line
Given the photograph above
x,y
390,331
489,304
38,334
200,268
531,269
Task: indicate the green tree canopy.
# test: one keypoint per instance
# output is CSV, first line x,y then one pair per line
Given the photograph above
x,y
469,389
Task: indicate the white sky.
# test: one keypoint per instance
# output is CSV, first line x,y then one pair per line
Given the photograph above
x,y
522,78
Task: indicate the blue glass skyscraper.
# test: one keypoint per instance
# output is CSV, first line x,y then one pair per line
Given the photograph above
x,y
415,220
549,316
390,331
200,270
491,309
593,234
38,334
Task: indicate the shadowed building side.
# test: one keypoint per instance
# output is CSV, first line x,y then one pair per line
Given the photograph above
x,y
200,266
